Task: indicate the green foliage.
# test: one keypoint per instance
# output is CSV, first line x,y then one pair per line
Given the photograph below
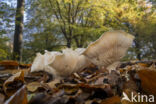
x,y
3,54
79,22
5,49
6,19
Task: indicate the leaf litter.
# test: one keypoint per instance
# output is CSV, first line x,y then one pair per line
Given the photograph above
x,y
90,86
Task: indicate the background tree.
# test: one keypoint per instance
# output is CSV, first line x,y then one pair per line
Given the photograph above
x,y
18,36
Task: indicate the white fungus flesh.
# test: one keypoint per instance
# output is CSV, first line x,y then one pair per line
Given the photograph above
x,y
107,51
60,64
69,62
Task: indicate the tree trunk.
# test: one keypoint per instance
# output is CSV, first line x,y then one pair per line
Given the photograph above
x,y
137,46
69,43
18,35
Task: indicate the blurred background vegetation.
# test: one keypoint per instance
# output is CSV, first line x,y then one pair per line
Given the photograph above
x,y
56,24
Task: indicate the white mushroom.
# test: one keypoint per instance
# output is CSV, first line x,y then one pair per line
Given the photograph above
x,y
82,61
41,62
107,51
69,62
60,64
38,63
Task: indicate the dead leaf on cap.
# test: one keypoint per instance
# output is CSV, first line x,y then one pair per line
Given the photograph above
x,y
12,84
20,97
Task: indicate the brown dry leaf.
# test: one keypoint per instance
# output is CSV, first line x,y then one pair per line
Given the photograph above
x,y
95,91
9,64
78,78
121,71
53,83
88,102
93,77
76,75
130,85
10,71
100,91
152,67
148,81
25,66
94,101
113,78
81,96
69,89
100,81
143,64
41,77
112,100
32,87
12,84
2,97
20,97
44,98
126,102
128,92
39,98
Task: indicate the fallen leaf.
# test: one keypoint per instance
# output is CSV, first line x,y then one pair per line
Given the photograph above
x,y
81,96
111,100
99,91
40,76
130,85
148,82
129,94
44,98
101,81
32,87
2,97
12,84
143,64
23,66
93,101
39,98
113,78
9,64
53,83
20,97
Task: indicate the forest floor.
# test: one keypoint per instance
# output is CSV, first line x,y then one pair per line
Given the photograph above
x,y
19,86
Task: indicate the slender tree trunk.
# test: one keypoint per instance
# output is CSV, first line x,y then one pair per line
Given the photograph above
x,y
137,46
18,35
69,43
46,42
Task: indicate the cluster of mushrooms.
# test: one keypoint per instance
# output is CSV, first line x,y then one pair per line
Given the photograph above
x,y
105,52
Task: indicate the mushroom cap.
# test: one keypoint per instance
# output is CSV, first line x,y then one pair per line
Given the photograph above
x,y
69,62
41,62
38,63
60,64
80,50
49,57
109,48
